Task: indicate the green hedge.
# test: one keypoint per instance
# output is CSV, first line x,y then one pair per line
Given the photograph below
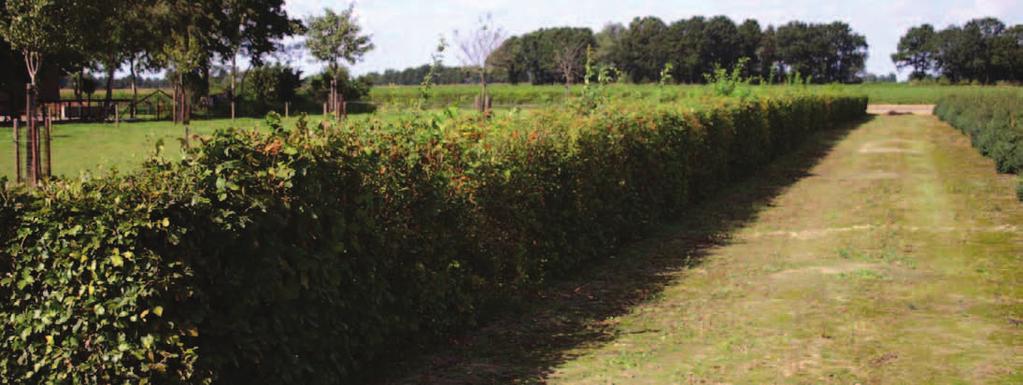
x,y
992,120
300,256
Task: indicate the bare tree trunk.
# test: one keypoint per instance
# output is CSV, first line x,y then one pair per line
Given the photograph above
x,y
79,92
17,150
30,158
174,104
110,89
134,89
185,108
234,76
48,133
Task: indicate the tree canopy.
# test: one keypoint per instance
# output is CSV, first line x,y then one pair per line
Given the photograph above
x,y
983,50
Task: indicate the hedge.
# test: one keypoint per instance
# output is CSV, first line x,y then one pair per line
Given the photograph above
x,y
301,255
992,120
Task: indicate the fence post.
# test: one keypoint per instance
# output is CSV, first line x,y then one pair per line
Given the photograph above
x,y
17,150
49,155
117,115
286,112
30,153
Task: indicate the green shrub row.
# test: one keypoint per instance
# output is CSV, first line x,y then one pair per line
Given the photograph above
x,y
993,122
301,255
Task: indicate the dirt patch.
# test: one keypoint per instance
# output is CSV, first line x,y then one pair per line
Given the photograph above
x,y
891,146
832,269
900,109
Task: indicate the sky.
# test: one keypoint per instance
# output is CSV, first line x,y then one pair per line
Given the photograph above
x,y
406,32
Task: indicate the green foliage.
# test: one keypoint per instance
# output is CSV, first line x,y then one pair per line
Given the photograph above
x,y
992,120
983,50
318,86
337,37
298,256
824,53
435,67
722,82
1019,189
269,87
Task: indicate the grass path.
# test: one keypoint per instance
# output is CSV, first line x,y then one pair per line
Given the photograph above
x,y
885,254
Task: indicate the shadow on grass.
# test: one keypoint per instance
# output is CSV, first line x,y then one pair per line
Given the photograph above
x,y
525,347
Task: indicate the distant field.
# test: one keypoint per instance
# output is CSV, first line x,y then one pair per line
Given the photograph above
x,y
509,95
98,147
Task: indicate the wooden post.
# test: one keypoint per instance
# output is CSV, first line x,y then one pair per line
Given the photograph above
x,y
17,150
159,104
186,119
49,155
324,110
286,113
30,152
174,105
117,115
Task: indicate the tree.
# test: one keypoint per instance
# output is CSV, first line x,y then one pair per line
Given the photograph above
x,y
917,50
476,47
644,49
336,38
270,86
39,28
823,52
567,57
982,50
191,37
609,40
252,27
508,59
750,38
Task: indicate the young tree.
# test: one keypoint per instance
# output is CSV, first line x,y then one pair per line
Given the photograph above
x,y
336,38
476,47
567,58
252,27
190,39
39,28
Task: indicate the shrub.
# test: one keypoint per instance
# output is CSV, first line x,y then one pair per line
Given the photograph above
x,y
992,120
268,87
300,255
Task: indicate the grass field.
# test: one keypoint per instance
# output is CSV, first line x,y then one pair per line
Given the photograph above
x,y
509,95
99,147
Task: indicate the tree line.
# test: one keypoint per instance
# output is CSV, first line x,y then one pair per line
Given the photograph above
x,y
648,49
983,50
186,39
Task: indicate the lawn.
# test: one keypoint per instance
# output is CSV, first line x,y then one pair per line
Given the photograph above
x,y
100,147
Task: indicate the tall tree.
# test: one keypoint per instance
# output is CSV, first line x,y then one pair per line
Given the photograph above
x,y
336,38
750,38
508,58
825,52
252,27
644,49
917,50
609,39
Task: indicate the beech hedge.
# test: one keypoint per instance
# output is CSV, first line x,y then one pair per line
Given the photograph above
x,y
992,120
300,255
